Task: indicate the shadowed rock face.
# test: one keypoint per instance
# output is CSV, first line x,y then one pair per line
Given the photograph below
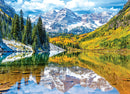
x,y
66,21
6,8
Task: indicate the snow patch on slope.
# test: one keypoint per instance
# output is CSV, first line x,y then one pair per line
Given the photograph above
x,y
17,56
54,50
16,46
66,21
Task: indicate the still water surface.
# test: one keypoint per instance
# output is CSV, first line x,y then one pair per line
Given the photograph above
x,y
65,73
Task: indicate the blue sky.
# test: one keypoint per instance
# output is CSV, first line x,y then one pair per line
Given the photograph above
x,y
34,7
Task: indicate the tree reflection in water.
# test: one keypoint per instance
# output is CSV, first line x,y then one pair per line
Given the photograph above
x,y
65,73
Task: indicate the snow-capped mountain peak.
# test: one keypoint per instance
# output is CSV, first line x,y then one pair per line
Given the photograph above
x,y
66,16
67,12
66,21
50,13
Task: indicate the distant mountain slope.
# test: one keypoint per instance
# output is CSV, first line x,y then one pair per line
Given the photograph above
x,y
66,21
115,34
7,9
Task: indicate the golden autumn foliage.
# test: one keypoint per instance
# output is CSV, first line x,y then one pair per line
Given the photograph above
x,y
4,13
113,35
115,68
68,41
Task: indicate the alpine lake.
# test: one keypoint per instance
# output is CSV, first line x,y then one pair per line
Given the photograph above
x,y
65,73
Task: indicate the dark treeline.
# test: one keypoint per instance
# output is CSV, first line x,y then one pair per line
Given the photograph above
x,y
14,28
5,25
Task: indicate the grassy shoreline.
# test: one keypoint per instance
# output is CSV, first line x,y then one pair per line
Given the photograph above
x,y
119,51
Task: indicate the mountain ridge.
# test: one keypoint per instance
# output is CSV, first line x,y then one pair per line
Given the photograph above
x,y
113,35
66,21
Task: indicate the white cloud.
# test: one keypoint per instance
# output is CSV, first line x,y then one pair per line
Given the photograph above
x,y
36,0
20,1
43,5
32,5
75,5
79,4
112,9
55,2
100,9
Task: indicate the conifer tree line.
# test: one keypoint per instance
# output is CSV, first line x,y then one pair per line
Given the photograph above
x,y
17,29
5,25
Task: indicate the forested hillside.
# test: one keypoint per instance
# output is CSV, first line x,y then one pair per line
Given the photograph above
x,y
5,24
68,41
15,29
113,35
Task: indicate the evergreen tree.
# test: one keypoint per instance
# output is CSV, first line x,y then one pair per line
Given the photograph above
x,y
7,30
47,44
35,38
41,31
12,28
28,32
3,28
24,37
34,32
44,39
21,21
16,32
0,36
34,45
0,23
9,20
0,28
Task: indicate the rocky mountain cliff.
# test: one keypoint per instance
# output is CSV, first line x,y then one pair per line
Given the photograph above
x,y
66,21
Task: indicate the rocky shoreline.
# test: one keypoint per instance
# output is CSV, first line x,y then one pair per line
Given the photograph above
x,y
14,46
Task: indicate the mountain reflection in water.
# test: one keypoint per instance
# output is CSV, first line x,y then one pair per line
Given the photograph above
x,y
50,79
68,73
